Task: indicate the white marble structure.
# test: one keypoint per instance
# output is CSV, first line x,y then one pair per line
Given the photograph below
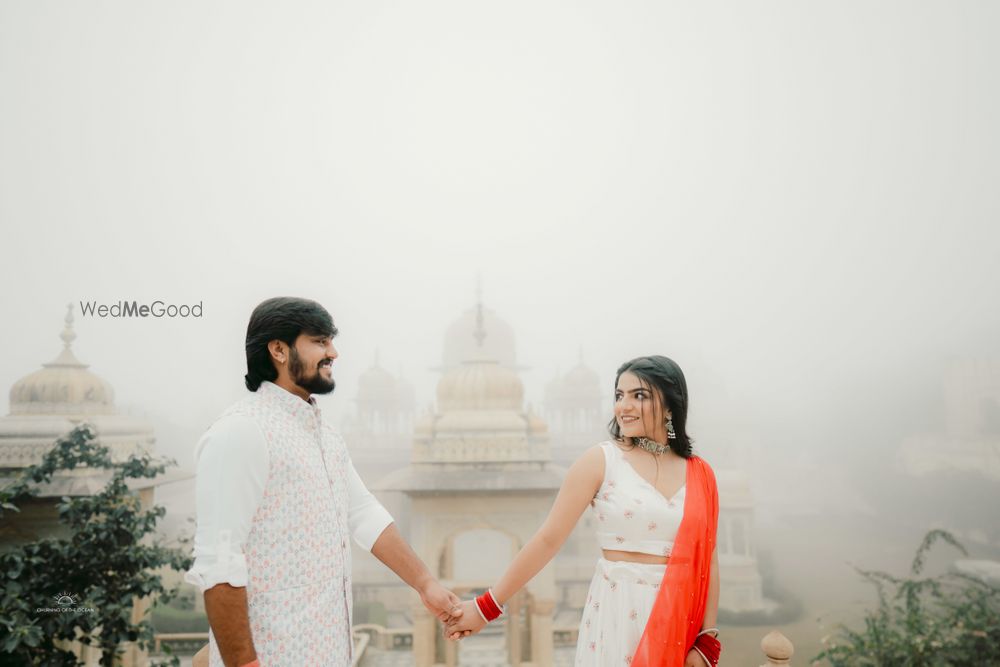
x,y
45,406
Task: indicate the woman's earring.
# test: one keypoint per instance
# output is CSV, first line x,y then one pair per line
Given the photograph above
x,y
671,433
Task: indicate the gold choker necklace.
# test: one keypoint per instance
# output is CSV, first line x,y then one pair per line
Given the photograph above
x,y
650,446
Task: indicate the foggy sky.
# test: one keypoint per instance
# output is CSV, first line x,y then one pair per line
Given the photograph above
x,y
796,201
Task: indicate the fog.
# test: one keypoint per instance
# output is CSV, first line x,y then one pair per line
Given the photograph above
x,y
797,202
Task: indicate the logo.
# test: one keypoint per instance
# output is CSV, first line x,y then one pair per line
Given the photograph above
x,y
65,603
66,599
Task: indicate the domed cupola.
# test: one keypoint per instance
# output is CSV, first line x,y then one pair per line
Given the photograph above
x,y
581,380
48,403
63,386
376,384
483,385
478,335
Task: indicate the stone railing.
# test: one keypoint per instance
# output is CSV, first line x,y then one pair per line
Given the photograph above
x,y
193,641
360,646
565,635
776,647
386,639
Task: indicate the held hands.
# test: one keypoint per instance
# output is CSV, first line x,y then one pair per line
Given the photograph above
x,y
467,622
441,602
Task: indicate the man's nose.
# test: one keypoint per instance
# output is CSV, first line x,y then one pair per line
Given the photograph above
x,y
331,351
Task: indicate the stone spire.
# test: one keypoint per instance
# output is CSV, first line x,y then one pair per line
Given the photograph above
x,y
480,331
68,335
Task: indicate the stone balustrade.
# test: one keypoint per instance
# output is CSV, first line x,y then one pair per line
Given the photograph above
x,y
776,647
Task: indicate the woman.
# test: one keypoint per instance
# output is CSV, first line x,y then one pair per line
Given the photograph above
x,y
654,598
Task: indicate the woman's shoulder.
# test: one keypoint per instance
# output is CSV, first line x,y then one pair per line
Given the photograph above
x,y
598,451
619,445
591,464
704,466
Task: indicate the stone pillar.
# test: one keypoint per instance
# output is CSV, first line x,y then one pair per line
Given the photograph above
x,y
514,628
450,651
423,639
426,643
542,651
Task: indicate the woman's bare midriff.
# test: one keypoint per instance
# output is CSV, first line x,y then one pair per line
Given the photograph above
x,y
633,557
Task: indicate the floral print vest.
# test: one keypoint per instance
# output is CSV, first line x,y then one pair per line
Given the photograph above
x,y
298,553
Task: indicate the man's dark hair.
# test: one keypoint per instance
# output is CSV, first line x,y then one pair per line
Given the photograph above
x,y
282,318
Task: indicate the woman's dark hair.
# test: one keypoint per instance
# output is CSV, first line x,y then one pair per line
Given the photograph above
x,y
667,379
281,318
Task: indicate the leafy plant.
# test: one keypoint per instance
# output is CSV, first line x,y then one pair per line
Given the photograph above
x,y
82,587
950,619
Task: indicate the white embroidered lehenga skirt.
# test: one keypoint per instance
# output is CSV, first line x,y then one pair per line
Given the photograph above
x,y
620,599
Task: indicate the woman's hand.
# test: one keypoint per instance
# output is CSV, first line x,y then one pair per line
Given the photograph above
x,y
439,600
694,659
469,622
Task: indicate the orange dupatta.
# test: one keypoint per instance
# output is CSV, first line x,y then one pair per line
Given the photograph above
x,y
679,609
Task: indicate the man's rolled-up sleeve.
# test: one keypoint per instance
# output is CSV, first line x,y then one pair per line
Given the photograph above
x,y
367,518
232,468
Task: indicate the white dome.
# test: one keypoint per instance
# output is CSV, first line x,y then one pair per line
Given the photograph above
x,y
480,386
48,403
478,335
376,384
63,386
62,389
582,380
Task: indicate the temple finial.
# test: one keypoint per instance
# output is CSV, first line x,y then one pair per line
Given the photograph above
x,y
480,332
68,335
66,357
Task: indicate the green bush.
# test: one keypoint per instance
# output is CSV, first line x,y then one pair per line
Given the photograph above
x,y
949,620
99,563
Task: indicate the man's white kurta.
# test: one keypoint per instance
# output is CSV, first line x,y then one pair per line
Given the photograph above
x,y
277,500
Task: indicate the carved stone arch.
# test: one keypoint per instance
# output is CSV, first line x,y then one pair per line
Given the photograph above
x,y
446,564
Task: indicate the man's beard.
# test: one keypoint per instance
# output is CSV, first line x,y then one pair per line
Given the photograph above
x,y
315,383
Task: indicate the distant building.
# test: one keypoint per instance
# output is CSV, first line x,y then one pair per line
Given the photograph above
x,y
380,430
478,477
45,406
577,412
970,440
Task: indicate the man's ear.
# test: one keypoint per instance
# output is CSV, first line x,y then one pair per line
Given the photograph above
x,y
278,350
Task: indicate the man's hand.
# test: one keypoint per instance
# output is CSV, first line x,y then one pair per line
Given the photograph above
x,y
440,601
469,622
392,549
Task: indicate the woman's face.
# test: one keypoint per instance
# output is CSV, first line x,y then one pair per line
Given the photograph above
x,y
639,409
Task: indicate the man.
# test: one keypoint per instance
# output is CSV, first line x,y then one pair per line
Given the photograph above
x,y
277,501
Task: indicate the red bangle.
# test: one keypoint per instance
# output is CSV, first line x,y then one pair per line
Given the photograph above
x,y
488,606
709,647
